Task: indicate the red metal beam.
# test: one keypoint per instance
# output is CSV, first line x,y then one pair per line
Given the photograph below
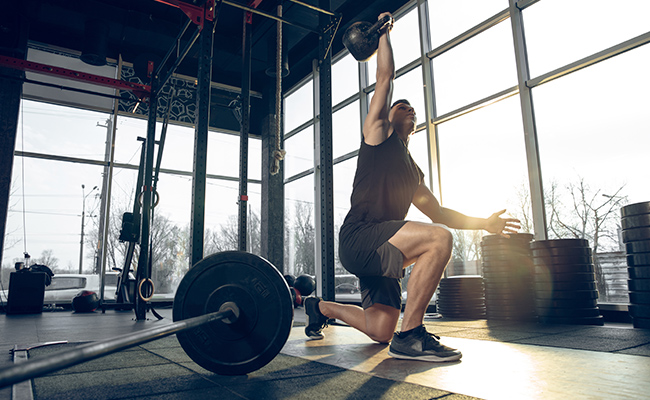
x,y
249,15
195,13
141,91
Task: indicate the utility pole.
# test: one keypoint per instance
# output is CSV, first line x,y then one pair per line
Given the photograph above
x,y
83,215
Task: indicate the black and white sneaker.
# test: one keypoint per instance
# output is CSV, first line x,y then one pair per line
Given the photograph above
x,y
316,321
418,344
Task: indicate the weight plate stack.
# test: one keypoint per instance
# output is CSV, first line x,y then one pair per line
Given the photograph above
x,y
635,221
461,297
565,283
508,277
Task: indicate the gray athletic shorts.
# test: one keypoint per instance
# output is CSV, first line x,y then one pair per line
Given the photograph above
x,y
364,251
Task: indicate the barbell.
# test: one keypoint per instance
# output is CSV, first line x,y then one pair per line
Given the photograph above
x,y
232,315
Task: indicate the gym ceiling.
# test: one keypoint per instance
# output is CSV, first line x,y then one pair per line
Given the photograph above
x,y
144,27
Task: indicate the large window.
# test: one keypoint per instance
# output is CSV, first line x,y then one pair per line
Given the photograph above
x,y
593,130
59,175
475,69
579,29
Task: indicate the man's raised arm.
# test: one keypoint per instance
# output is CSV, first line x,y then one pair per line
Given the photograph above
x,y
376,127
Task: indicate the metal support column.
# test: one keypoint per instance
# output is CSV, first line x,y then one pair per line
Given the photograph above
x,y
143,272
324,178
201,142
13,42
530,132
272,218
429,98
247,37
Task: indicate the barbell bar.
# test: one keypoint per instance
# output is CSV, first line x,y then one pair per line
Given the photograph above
x,y
232,315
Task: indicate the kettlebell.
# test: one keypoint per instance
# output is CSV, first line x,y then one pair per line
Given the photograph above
x,y
362,38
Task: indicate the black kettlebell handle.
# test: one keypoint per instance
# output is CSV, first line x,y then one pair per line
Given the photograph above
x,y
376,27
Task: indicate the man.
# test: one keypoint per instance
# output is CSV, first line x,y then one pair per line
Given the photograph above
x,y
376,243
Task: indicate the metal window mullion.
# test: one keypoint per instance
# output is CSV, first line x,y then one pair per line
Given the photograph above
x,y
429,97
298,129
242,201
323,167
486,101
523,4
345,102
398,74
528,116
363,95
199,170
299,175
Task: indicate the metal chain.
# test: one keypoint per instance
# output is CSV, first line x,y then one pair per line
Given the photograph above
x,y
279,153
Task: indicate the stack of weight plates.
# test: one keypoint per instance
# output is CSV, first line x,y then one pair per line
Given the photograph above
x,y
565,284
508,277
461,297
635,221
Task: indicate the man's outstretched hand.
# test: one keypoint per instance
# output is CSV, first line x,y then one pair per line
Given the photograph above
x,y
501,226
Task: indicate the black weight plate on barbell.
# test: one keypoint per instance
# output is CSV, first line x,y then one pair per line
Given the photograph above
x,y
563,286
641,323
635,221
635,234
559,295
639,297
635,209
566,303
562,252
639,285
562,260
265,312
544,244
639,310
639,272
599,320
638,259
552,276
568,312
640,246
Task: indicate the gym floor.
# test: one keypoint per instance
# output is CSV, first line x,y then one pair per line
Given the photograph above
x,y
501,360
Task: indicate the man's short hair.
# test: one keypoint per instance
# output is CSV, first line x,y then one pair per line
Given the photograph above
x,y
400,101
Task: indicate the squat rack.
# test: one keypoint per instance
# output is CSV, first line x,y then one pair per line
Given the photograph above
x,y
204,16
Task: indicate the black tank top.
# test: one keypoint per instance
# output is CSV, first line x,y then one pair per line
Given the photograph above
x,y
385,182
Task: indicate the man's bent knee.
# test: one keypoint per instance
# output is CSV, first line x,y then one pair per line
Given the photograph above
x,y
384,336
441,238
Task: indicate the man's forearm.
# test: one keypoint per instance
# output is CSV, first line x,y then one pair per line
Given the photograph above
x,y
456,220
385,60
